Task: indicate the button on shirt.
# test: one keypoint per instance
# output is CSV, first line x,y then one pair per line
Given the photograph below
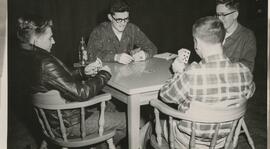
x,y
215,79
104,43
240,46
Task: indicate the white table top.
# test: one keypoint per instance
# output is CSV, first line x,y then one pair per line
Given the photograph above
x,y
138,77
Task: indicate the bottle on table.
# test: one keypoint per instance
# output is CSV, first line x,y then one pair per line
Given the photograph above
x,y
83,56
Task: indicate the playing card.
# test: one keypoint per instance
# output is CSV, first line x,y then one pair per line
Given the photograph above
x,y
183,55
93,68
98,63
139,56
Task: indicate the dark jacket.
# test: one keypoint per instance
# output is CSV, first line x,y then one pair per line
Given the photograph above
x,y
49,73
52,74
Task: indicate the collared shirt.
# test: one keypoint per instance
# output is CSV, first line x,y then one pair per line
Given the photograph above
x,y
214,80
104,43
240,46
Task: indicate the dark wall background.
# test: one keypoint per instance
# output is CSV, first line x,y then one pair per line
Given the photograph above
x,y
166,22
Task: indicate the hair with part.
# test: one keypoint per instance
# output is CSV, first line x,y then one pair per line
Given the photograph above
x,y
231,4
119,6
31,25
209,29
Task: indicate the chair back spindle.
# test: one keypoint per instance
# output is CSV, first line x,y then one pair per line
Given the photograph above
x,y
101,119
215,135
46,123
171,132
83,123
62,126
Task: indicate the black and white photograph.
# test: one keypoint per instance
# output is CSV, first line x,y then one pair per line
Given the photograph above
x,y
134,74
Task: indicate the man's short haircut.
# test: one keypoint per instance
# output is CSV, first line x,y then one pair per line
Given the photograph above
x,y
231,4
209,29
30,25
119,6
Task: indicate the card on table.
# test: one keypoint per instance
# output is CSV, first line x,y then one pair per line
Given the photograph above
x,y
166,55
183,55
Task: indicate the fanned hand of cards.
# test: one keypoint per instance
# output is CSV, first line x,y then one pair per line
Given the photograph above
x,y
183,55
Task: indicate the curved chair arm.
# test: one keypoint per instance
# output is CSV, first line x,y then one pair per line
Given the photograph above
x,y
202,113
164,108
72,105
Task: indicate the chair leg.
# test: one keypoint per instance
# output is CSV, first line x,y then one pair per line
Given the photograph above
x,y
43,145
250,141
110,143
237,132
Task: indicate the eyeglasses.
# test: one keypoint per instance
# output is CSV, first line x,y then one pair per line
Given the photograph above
x,y
224,15
120,20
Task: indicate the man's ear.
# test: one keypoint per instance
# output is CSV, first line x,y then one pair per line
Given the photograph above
x,y
109,17
195,43
236,15
197,47
33,40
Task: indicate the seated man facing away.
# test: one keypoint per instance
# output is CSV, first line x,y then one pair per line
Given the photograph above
x,y
46,73
119,40
214,80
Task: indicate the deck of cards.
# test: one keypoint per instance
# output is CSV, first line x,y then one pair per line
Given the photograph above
x,y
93,68
139,56
183,55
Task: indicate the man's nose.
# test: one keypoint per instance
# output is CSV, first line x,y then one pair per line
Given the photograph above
x,y
221,18
53,41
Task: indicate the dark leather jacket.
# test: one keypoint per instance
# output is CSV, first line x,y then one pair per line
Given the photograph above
x,y
49,73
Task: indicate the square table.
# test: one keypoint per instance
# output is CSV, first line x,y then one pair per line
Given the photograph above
x,y
136,84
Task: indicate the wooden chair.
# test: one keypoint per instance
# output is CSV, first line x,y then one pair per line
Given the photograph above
x,y
214,114
53,101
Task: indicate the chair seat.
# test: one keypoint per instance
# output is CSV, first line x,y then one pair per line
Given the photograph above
x,y
88,140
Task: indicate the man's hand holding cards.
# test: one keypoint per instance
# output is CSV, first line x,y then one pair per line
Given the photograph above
x,y
183,55
181,61
139,55
93,68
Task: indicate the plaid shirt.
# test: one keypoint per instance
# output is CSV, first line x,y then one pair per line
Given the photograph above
x,y
215,79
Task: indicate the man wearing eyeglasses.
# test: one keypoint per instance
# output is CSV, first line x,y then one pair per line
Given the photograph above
x,y
240,43
119,40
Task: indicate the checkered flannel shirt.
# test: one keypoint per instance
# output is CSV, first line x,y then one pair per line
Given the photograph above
x,y
214,79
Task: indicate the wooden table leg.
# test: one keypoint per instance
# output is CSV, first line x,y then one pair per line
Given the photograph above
x,y
133,122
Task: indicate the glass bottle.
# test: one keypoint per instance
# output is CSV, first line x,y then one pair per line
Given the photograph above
x,y
83,57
